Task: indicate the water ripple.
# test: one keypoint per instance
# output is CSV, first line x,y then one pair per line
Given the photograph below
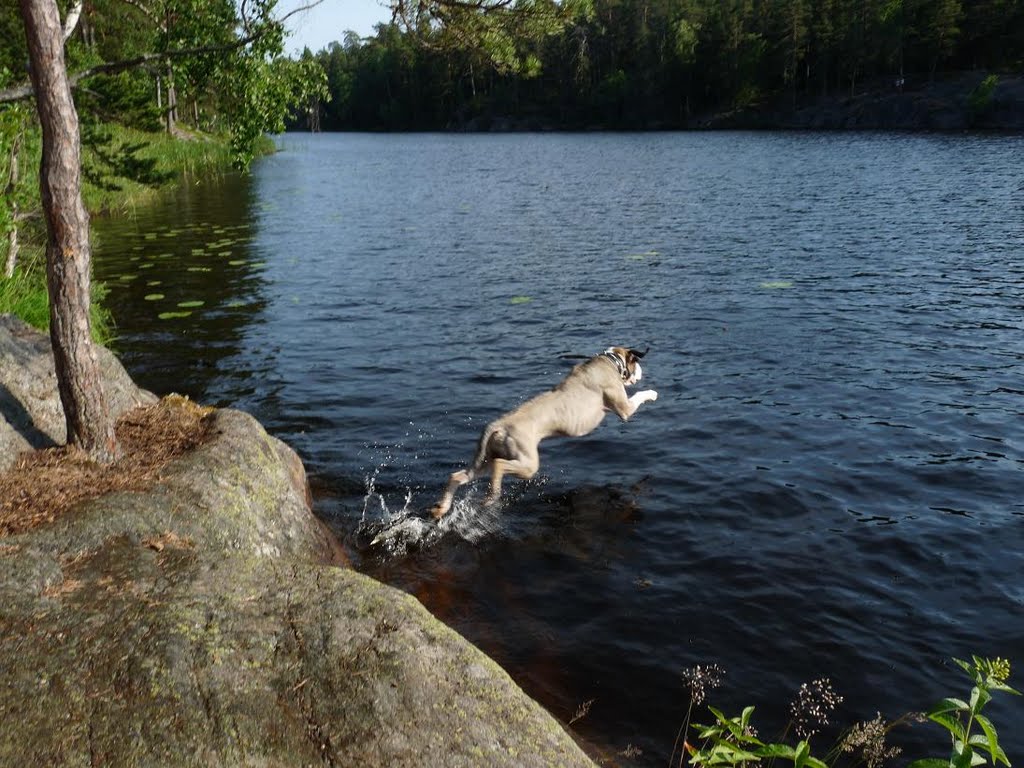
x,y
829,484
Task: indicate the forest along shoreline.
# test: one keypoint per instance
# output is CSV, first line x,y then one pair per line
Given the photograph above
x,y
962,101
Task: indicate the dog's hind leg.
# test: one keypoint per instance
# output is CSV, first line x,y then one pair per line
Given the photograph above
x,y
492,438
525,466
456,481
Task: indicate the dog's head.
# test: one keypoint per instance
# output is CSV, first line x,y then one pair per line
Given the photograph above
x,y
628,362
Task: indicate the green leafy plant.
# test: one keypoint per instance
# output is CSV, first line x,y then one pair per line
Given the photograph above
x,y
732,741
959,717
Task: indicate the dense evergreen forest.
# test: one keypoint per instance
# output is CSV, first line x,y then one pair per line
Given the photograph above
x,y
662,63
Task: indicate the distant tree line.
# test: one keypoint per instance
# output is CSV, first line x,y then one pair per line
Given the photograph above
x,y
659,63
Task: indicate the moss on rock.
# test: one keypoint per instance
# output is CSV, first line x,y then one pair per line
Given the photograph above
x,y
201,622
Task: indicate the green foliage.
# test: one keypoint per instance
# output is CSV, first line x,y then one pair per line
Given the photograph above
x,y
959,717
980,99
445,67
215,64
263,92
24,294
124,167
19,147
732,742
110,161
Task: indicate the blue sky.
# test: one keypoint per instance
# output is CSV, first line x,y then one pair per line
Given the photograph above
x,y
327,22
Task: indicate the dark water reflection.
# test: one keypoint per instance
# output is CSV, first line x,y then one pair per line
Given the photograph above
x,y
829,485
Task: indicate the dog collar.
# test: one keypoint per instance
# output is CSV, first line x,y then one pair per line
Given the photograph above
x,y
619,363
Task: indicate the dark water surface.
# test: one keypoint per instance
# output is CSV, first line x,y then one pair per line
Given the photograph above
x,y
831,483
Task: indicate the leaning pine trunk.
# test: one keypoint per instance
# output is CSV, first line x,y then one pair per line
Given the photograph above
x,y
90,425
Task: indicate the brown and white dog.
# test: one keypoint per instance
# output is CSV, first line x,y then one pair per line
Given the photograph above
x,y
573,408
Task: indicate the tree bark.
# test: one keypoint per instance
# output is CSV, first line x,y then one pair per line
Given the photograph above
x,y
90,425
172,101
12,183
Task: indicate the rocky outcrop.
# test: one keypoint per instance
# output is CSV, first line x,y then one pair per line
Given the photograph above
x,y
30,412
952,103
200,623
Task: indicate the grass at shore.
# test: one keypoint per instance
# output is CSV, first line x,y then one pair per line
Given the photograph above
x,y
122,169
24,294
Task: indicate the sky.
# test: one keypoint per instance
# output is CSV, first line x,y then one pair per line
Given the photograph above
x,y
327,22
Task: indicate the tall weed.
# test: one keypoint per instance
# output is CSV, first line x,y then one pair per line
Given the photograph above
x,y
732,742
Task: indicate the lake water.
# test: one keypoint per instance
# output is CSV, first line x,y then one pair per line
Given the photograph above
x,y
831,483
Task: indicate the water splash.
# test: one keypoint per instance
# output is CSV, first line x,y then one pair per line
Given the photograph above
x,y
395,532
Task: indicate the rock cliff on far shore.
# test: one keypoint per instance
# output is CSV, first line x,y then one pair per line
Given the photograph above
x,y
948,102
951,103
200,622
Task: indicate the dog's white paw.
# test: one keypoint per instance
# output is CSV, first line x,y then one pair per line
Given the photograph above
x,y
649,395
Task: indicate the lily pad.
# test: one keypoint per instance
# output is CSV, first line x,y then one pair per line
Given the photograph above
x,y
236,262
520,300
172,315
185,304
151,283
153,296
128,278
200,269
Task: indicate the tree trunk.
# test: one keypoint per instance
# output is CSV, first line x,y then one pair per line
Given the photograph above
x,y
90,425
12,183
12,247
172,101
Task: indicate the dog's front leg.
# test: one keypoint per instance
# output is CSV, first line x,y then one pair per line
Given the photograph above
x,y
623,406
639,398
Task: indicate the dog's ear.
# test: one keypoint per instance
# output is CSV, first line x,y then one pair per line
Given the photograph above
x,y
638,354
